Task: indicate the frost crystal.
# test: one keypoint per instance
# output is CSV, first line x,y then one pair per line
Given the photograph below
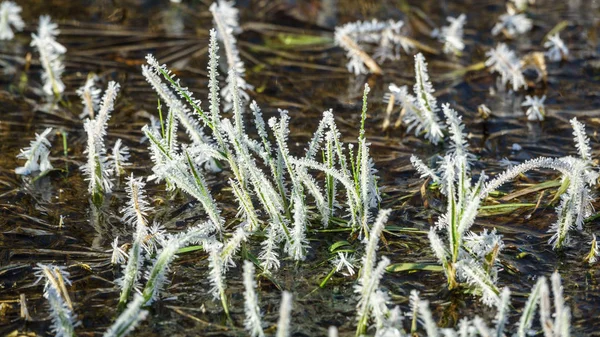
x,y
50,55
452,35
36,154
536,111
343,260
557,50
90,97
505,62
9,16
512,23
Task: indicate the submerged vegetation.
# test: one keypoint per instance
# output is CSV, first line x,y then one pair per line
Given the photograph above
x,y
235,196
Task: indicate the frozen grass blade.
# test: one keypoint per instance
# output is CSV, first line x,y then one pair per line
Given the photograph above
x,y
36,155
285,318
129,319
55,292
50,55
252,322
10,16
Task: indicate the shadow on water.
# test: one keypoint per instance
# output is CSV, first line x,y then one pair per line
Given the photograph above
x,y
291,61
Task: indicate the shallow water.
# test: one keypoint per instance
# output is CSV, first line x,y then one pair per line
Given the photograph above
x,y
112,39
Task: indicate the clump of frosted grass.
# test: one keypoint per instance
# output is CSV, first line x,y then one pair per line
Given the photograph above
x,y
505,62
512,23
51,53
419,112
96,169
36,155
388,37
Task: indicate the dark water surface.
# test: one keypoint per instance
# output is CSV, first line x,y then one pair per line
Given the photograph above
x,y
288,50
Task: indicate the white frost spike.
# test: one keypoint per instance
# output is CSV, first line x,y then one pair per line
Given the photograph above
x,y
536,111
50,55
512,23
253,317
582,142
452,35
9,16
36,154
285,311
129,319
505,62
90,97
557,50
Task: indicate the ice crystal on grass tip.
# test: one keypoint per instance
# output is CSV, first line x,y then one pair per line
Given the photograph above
x,y
536,111
505,62
388,36
557,50
344,261
512,23
50,55
452,35
10,16
252,322
36,155
90,97
118,254
226,23
129,319
55,292
594,253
